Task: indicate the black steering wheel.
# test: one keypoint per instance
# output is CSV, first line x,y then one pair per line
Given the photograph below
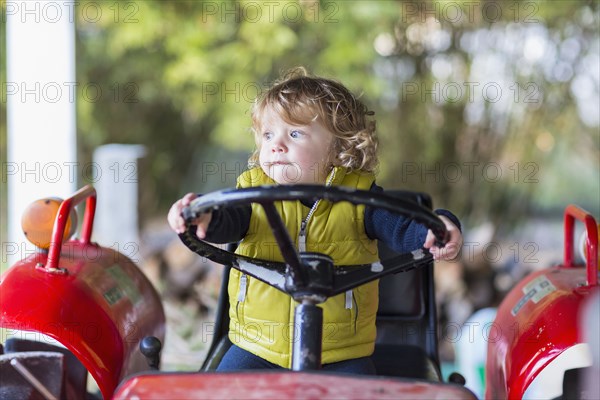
x,y
292,276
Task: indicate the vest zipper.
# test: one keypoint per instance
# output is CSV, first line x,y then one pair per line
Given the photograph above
x,y
349,299
241,295
304,224
243,286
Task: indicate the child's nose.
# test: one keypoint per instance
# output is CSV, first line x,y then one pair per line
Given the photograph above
x,y
278,146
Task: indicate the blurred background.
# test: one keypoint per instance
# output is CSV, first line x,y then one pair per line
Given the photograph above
x,y
492,107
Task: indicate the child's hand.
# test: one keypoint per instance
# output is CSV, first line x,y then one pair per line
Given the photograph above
x,y
450,251
177,223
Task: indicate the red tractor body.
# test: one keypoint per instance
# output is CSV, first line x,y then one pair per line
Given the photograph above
x,y
91,299
540,317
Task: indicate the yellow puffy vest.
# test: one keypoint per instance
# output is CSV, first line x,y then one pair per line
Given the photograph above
x,y
262,317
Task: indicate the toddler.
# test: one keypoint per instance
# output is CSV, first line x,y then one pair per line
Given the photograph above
x,y
310,130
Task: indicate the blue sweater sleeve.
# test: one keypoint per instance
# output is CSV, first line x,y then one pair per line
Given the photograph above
x,y
399,233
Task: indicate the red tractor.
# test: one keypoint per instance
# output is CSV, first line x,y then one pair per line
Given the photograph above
x,y
108,319
544,330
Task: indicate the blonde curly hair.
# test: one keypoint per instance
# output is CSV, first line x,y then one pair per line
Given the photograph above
x,y
300,99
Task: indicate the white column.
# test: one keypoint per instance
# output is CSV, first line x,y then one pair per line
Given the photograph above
x,y
116,223
40,93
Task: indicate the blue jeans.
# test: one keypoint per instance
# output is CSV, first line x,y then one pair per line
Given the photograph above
x,y
236,359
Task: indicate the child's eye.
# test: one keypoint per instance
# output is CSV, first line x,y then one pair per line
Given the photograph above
x,y
267,135
295,134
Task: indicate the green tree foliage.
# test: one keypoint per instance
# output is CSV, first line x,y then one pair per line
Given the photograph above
x,y
494,103
481,104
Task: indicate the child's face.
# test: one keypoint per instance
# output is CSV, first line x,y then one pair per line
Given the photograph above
x,y
292,154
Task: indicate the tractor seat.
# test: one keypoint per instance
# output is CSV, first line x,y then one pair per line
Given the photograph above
x,y
406,343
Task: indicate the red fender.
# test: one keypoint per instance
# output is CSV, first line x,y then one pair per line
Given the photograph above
x,y
93,300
